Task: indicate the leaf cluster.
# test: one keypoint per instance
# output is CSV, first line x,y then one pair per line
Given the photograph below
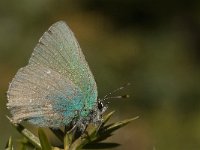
x,y
93,137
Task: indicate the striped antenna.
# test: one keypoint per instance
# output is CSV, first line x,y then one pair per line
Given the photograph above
x,y
116,97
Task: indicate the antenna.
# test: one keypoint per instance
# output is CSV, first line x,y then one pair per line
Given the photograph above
x,y
117,97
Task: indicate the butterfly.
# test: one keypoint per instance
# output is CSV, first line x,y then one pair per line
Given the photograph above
x,y
57,87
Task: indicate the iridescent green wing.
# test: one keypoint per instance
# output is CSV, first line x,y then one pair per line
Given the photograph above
x,y
59,50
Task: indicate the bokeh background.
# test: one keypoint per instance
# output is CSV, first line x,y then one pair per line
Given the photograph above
x,y
154,45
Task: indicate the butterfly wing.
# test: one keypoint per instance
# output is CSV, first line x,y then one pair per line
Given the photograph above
x,y
56,84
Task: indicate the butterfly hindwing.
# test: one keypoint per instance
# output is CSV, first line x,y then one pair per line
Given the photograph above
x,y
37,92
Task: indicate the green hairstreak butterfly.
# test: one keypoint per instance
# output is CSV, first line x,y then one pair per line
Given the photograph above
x,y
56,88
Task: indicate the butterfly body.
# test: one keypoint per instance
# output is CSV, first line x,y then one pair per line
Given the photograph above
x,y
56,88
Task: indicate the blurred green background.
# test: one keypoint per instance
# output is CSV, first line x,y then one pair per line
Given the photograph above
x,y
154,45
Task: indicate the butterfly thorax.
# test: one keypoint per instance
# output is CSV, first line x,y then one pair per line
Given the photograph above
x,y
93,116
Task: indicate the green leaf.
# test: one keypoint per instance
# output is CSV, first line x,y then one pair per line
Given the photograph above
x,y
26,133
107,117
44,140
87,137
117,125
107,130
9,145
68,140
102,137
25,144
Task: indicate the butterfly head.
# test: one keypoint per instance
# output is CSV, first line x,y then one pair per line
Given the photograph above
x,y
101,106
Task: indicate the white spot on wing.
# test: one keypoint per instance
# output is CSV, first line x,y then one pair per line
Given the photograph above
x,y
48,71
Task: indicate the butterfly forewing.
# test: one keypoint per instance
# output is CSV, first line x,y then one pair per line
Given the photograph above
x,y
58,49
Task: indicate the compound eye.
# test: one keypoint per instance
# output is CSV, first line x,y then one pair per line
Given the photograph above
x,y
100,105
